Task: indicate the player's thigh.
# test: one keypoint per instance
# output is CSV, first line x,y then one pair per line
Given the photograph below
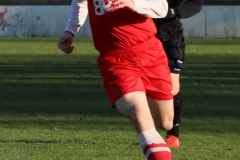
x,y
134,105
162,112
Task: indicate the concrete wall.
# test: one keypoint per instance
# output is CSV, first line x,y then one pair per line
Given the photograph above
x,y
37,21
214,21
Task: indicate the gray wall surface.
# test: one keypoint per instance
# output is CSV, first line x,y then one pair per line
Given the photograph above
x,y
50,20
214,21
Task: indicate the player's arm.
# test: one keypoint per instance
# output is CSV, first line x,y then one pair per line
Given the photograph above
x,y
77,16
191,8
149,8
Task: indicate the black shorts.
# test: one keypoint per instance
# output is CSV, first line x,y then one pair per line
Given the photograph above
x,y
171,35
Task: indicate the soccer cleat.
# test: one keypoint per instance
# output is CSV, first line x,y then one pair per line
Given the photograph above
x,y
172,141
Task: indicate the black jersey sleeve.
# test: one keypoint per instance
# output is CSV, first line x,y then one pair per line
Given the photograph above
x,y
189,9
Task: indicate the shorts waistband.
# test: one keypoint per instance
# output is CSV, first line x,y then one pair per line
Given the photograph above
x,y
136,48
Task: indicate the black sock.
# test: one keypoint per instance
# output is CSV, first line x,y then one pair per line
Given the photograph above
x,y
177,102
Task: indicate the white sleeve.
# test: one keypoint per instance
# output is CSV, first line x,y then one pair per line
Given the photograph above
x,y
151,8
77,16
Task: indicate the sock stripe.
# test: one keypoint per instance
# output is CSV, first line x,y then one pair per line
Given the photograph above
x,y
159,147
160,155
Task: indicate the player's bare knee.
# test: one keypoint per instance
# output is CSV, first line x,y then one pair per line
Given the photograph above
x,y
165,125
168,126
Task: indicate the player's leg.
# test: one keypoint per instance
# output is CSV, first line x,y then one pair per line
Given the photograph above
x,y
172,137
135,107
175,65
124,94
157,81
160,87
125,87
171,35
162,113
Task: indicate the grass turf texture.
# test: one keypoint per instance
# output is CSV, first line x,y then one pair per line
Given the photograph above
x,y
53,106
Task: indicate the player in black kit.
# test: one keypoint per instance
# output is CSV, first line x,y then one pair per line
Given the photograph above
x,y
170,32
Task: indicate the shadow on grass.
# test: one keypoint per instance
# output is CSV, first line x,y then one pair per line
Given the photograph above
x,y
52,86
61,87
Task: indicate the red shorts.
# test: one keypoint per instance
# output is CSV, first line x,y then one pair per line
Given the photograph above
x,y
141,68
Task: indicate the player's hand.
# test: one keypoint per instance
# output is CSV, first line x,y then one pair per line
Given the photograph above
x,y
124,3
172,13
65,43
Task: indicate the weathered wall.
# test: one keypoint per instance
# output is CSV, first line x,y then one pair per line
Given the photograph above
x,y
214,21
49,20
32,21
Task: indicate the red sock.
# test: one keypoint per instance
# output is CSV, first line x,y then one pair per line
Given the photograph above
x,y
153,145
159,151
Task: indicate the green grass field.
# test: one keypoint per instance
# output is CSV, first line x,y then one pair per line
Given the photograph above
x,y
53,106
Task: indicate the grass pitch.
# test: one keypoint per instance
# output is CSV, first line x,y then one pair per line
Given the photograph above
x,y
53,106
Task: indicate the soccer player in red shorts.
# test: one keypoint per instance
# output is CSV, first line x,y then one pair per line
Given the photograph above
x,y
132,63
